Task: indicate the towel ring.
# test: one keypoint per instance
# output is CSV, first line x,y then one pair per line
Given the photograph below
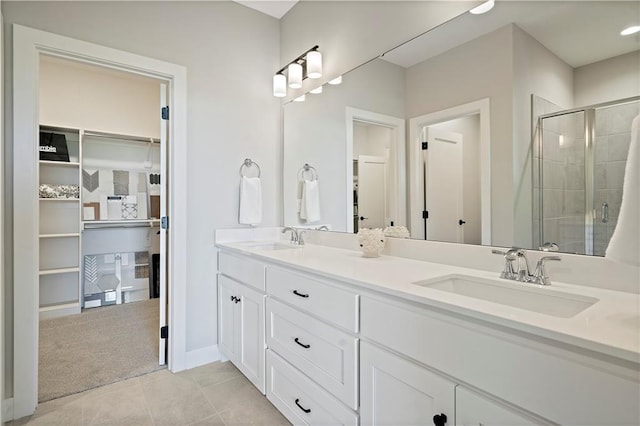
x,y
307,168
248,164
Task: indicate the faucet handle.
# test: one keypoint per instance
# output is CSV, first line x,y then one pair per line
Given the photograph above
x,y
540,275
509,256
301,234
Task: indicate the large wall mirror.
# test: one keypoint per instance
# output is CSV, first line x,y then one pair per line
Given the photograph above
x,y
508,128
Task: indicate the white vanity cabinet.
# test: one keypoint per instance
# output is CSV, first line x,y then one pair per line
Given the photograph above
x,y
241,322
475,410
395,391
312,356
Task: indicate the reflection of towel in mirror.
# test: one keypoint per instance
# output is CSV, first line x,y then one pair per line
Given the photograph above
x,y
624,246
310,201
250,201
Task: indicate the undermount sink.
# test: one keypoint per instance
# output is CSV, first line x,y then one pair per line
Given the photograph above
x,y
270,245
518,295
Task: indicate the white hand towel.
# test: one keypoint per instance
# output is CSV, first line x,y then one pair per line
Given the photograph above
x,y
310,205
250,201
624,246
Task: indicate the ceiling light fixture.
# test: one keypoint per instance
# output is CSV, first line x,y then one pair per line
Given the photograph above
x,y
307,65
316,91
336,81
483,8
300,98
630,30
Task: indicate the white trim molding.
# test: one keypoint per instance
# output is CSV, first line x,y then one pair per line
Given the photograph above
x,y
28,45
416,185
198,357
7,410
397,158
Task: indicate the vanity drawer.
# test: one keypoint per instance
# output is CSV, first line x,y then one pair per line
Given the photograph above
x,y
300,400
325,354
335,305
242,269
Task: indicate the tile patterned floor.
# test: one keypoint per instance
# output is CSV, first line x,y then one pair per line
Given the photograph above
x,y
216,394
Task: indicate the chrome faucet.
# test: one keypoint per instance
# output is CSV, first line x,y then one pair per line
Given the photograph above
x,y
521,270
301,233
322,228
294,234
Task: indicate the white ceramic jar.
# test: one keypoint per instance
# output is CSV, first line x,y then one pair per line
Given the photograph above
x,y
371,241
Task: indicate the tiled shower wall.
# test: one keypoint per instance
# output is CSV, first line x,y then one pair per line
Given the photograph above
x,y
561,160
613,135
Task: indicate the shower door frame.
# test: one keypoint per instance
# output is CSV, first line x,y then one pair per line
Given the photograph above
x,y
589,165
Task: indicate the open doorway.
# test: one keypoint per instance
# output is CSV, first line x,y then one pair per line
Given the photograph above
x,y
28,45
102,280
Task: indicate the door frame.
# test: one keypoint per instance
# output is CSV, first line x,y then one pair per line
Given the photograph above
x,y
397,157
373,159
416,187
28,45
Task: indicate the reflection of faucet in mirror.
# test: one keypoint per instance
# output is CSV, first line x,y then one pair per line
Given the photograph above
x,y
322,228
416,80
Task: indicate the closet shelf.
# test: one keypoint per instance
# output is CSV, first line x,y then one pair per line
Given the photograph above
x,y
125,223
59,199
70,235
56,306
121,137
59,163
59,271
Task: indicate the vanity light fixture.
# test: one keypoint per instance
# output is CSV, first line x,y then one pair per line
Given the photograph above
x,y
630,30
279,86
300,98
336,81
307,65
316,91
483,8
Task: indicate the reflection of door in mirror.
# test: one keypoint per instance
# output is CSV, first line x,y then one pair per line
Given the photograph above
x,y
443,185
372,191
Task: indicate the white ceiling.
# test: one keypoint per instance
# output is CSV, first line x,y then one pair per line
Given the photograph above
x,y
277,9
579,32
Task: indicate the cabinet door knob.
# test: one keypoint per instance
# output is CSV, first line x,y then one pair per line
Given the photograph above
x,y
306,410
233,298
238,300
300,294
301,344
440,419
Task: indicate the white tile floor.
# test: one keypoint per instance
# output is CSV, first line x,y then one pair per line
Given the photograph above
x,y
213,395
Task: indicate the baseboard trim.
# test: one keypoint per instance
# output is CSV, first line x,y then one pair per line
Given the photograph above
x,y
7,410
202,356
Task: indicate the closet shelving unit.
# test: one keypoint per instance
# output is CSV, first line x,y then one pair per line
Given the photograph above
x,y
61,223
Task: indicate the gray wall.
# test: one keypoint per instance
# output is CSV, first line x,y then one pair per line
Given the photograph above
x,y
608,80
230,53
350,33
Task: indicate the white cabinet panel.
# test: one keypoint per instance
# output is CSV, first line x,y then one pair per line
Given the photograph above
x,y
475,410
395,391
243,269
300,400
241,333
332,304
325,354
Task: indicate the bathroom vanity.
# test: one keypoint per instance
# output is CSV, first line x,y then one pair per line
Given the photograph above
x,y
332,337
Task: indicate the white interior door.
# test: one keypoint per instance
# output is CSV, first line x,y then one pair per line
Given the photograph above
x,y
372,191
443,185
164,124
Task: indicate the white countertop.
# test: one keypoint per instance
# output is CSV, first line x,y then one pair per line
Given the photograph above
x,y
610,326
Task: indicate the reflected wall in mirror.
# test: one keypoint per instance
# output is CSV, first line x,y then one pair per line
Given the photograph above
x,y
503,175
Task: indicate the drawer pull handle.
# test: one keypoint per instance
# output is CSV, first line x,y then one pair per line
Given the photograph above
x,y
301,344
300,294
306,410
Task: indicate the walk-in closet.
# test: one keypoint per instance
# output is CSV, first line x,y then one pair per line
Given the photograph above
x,y
102,251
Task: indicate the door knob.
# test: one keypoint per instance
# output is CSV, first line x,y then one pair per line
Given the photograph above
x,y
363,218
461,222
440,419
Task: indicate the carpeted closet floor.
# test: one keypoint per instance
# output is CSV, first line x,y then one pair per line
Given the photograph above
x,y
99,346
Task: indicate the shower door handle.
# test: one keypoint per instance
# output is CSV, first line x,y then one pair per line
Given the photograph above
x,y
605,212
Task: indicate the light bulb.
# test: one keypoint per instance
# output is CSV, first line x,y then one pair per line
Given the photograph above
x,y
295,75
279,86
483,8
314,64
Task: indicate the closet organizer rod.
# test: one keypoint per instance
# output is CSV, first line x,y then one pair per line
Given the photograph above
x,y
119,225
121,137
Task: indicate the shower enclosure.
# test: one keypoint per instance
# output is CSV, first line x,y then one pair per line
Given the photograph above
x,y
578,174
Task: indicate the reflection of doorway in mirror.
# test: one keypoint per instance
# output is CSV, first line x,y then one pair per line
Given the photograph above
x,y
451,175
374,175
